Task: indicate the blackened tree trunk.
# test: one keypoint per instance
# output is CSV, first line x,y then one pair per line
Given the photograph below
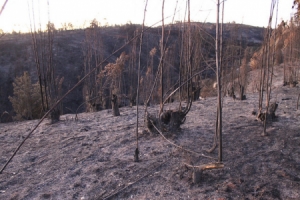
x,y
219,78
242,92
298,101
115,106
55,115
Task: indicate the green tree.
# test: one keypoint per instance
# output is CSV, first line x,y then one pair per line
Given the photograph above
x,y
27,102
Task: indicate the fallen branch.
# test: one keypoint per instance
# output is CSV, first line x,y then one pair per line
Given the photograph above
x,y
197,170
206,166
3,7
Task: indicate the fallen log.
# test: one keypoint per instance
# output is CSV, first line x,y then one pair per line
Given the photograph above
x,y
205,166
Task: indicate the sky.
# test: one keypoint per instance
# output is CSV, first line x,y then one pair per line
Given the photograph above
x,y
19,14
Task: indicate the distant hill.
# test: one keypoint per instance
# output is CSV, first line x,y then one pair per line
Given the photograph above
x,y
16,55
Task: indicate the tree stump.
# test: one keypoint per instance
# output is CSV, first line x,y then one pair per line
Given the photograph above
x,y
197,175
261,116
6,117
196,93
198,170
272,110
54,115
132,102
270,114
136,155
168,121
298,101
242,92
230,93
174,119
115,106
150,122
293,84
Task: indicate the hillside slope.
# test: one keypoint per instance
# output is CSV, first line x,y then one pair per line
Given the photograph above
x,y
92,158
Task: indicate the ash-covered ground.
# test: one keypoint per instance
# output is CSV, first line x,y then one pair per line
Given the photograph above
x,y
92,158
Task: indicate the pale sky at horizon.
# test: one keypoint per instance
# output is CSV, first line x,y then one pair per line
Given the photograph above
x,y
81,12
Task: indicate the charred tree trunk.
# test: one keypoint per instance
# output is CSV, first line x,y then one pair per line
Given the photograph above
x,y
269,72
55,115
161,62
219,78
196,93
132,101
298,101
242,93
115,106
136,153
